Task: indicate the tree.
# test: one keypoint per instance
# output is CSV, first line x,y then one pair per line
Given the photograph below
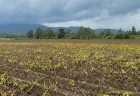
x,y
139,33
80,33
89,33
119,35
30,34
61,33
120,31
39,33
69,34
108,34
102,34
85,33
50,33
127,35
134,30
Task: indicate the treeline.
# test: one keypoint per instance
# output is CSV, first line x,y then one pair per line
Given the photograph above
x,y
83,33
40,33
12,35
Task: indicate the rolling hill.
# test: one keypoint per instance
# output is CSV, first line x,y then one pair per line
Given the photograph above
x,y
23,28
18,28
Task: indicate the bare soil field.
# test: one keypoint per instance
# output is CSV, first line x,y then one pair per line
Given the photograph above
x,y
70,67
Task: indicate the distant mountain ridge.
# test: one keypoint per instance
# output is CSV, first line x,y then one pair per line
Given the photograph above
x,y
72,28
101,30
18,28
23,28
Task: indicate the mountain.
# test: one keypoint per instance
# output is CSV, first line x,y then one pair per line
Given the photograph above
x,y
18,28
23,28
72,28
101,30
76,28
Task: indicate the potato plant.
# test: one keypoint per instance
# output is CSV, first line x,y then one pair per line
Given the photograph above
x,y
70,68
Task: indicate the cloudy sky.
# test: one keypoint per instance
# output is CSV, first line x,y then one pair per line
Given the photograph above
x,y
92,13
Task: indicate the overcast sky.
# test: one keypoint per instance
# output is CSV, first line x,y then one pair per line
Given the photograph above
x,y
92,13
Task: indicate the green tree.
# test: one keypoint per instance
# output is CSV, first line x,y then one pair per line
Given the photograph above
x,y
139,33
120,31
50,33
134,30
85,33
93,34
61,33
88,33
30,34
69,34
79,34
39,33
106,33
127,35
119,35
102,34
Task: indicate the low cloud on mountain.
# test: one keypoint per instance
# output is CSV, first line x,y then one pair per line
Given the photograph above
x,y
92,13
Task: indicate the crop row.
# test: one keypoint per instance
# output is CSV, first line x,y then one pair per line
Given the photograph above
x,y
69,68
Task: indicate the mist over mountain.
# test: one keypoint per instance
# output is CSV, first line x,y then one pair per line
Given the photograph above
x,y
23,28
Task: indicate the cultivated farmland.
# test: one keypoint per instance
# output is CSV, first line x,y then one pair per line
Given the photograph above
x,y
70,68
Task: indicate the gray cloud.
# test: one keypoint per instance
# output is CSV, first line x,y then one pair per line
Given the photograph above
x,y
50,11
